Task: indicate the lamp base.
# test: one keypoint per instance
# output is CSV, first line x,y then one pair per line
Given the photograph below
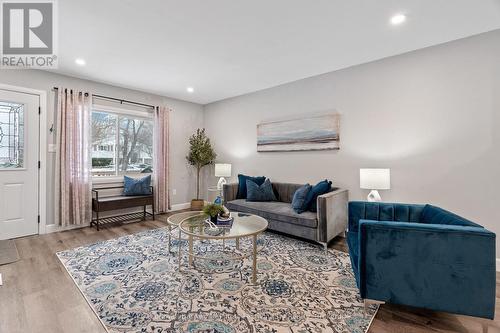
x,y
221,183
374,196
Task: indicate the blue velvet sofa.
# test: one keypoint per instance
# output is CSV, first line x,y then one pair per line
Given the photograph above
x,y
422,256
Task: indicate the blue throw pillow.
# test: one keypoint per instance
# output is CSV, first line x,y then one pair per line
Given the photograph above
x,y
299,198
262,192
320,188
242,184
133,186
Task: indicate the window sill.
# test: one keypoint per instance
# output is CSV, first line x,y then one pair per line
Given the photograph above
x,y
107,180
116,179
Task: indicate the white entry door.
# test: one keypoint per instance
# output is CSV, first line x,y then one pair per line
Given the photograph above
x,y
19,147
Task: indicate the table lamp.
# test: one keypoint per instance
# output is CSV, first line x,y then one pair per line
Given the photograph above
x,y
222,170
374,180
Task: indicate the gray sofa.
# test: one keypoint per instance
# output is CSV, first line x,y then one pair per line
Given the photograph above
x,y
321,227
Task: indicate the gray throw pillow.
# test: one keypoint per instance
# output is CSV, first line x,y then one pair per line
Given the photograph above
x,y
299,203
263,192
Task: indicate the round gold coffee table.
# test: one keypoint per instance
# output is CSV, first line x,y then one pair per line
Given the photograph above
x,y
244,225
173,222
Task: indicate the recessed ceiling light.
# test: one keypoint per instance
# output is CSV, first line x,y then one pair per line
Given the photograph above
x,y
398,19
80,62
190,89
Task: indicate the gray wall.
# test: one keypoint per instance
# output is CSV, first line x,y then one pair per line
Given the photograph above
x,y
185,118
432,116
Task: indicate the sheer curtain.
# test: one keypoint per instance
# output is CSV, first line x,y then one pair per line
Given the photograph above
x,y
161,158
73,178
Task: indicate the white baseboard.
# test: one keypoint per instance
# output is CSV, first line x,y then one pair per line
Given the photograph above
x,y
180,206
56,228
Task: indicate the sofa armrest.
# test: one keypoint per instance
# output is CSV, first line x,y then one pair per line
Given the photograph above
x,y
230,191
441,267
332,214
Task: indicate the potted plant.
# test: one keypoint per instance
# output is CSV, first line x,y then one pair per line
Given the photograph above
x,y
200,154
213,210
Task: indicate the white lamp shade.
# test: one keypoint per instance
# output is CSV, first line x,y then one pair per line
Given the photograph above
x,y
375,179
222,170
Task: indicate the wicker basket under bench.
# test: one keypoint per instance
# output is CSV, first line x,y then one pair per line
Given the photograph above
x,y
108,203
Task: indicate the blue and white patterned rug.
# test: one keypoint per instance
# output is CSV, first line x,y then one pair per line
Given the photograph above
x,y
133,285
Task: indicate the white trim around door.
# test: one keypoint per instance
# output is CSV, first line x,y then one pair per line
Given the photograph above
x,y
42,151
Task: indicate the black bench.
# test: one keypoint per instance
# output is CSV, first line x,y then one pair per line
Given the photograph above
x,y
114,202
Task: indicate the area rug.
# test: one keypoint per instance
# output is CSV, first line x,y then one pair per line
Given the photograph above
x,y
133,285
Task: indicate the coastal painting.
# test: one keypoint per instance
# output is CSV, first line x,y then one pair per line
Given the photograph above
x,y
320,132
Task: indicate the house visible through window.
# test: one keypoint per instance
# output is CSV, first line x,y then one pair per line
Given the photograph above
x,y
121,144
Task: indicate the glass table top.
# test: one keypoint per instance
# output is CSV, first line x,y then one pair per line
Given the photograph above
x,y
177,218
243,225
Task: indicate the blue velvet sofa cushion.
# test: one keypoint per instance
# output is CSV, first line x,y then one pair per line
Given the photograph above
x,y
242,184
361,210
320,188
422,256
435,215
262,192
133,186
299,203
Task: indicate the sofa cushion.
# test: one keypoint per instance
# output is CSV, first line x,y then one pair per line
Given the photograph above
x,y
274,210
320,188
285,191
293,229
299,199
435,215
242,184
262,192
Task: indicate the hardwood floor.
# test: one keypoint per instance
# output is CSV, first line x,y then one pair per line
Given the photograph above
x,y
39,296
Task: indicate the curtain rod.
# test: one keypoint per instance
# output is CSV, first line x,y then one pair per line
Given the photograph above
x,y
120,100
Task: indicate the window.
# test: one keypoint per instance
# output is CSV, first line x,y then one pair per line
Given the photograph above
x,y
11,135
121,144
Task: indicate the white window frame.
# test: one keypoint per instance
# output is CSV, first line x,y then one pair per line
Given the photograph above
x,y
118,112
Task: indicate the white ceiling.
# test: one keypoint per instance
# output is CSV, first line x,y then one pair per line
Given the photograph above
x,y
225,48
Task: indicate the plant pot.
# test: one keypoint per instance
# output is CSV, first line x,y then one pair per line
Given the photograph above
x,y
213,219
197,204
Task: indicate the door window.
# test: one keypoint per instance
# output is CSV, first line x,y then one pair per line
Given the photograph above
x,y
11,135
